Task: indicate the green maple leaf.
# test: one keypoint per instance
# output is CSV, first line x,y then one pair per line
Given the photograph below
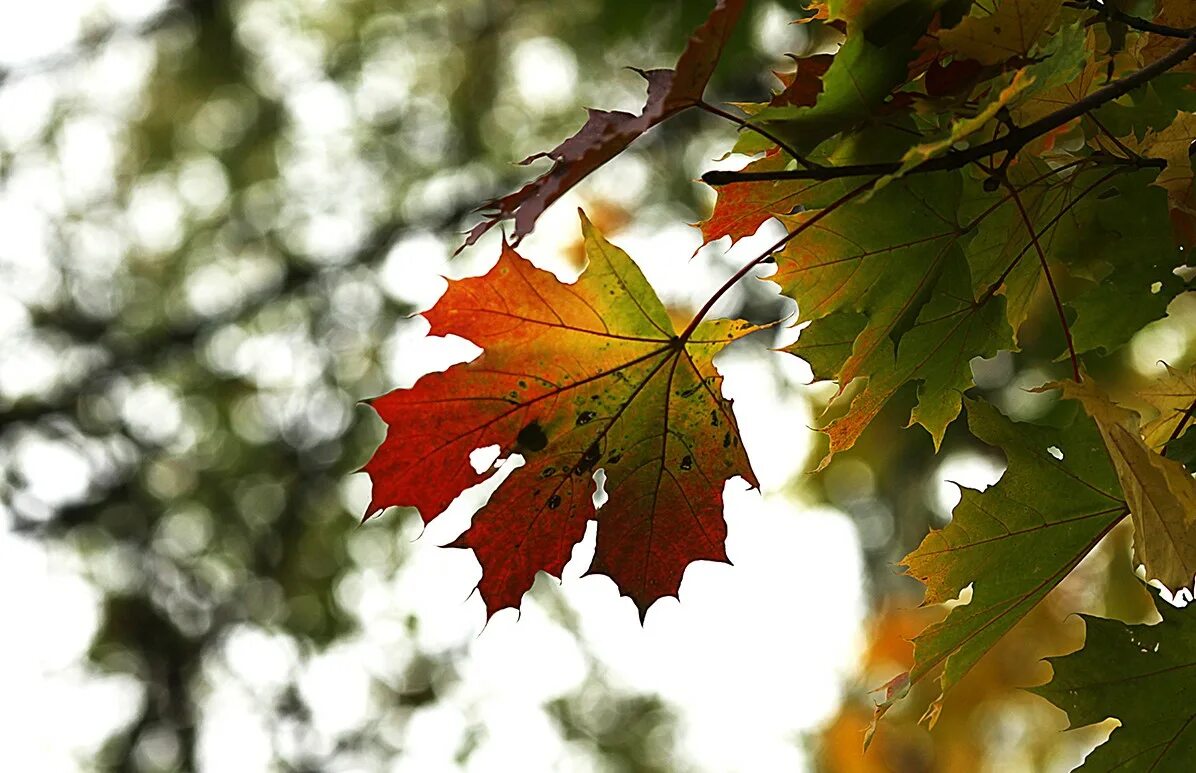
x,y
1145,677
1013,542
1108,227
886,286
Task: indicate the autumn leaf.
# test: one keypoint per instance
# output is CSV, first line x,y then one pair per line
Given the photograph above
x,y
741,208
1173,145
1082,220
1012,543
1009,31
1180,14
871,64
1142,675
575,378
888,299
1161,494
1173,397
607,133
804,84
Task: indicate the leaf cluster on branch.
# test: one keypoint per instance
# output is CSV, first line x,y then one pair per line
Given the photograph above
x,y
953,167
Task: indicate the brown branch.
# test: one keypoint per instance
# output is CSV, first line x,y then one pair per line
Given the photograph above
x,y
1179,427
1138,23
1046,269
1010,143
744,124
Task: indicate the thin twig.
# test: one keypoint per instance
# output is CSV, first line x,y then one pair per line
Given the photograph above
x,y
741,273
742,123
1046,269
1120,145
1010,143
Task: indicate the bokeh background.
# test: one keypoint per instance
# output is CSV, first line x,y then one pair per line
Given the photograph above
x,y
219,220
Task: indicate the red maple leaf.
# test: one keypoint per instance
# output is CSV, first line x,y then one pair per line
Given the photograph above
x,y
574,377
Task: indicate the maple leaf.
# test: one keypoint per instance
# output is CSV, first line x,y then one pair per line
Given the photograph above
x,y
1161,494
804,84
1143,676
1180,14
872,62
1173,144
889,299
1009,31
1083,221
607,133
575,378
742,207
1173,398
1012,543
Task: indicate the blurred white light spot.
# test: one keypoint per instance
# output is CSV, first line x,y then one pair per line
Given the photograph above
x,y
966,469
1163,341
55,472
545,73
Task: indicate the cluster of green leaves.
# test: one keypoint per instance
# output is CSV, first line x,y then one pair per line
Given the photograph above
x,y
950,169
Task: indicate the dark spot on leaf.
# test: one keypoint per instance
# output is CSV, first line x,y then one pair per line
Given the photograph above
x,y
727,440
687,462
714,418
588,459
523,385
554,501
547,472
689,392
585,417
991,184
531,439
614,458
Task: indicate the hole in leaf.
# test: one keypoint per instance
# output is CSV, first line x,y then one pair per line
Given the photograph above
x,y
600,495
1055,452
482,459
1155,288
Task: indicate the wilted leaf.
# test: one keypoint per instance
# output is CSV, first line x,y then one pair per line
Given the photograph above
x,y
575,378
607,133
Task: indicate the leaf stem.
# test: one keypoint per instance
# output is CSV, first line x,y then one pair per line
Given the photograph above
x,y
1179,427
1011,143
1046,269
745,124
741,273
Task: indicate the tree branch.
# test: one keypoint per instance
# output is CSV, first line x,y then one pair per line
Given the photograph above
x,y
1140,24
1011,143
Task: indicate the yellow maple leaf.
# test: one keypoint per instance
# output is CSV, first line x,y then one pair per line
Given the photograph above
x,y
1010,30
1171,13
1160,493
1172,396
